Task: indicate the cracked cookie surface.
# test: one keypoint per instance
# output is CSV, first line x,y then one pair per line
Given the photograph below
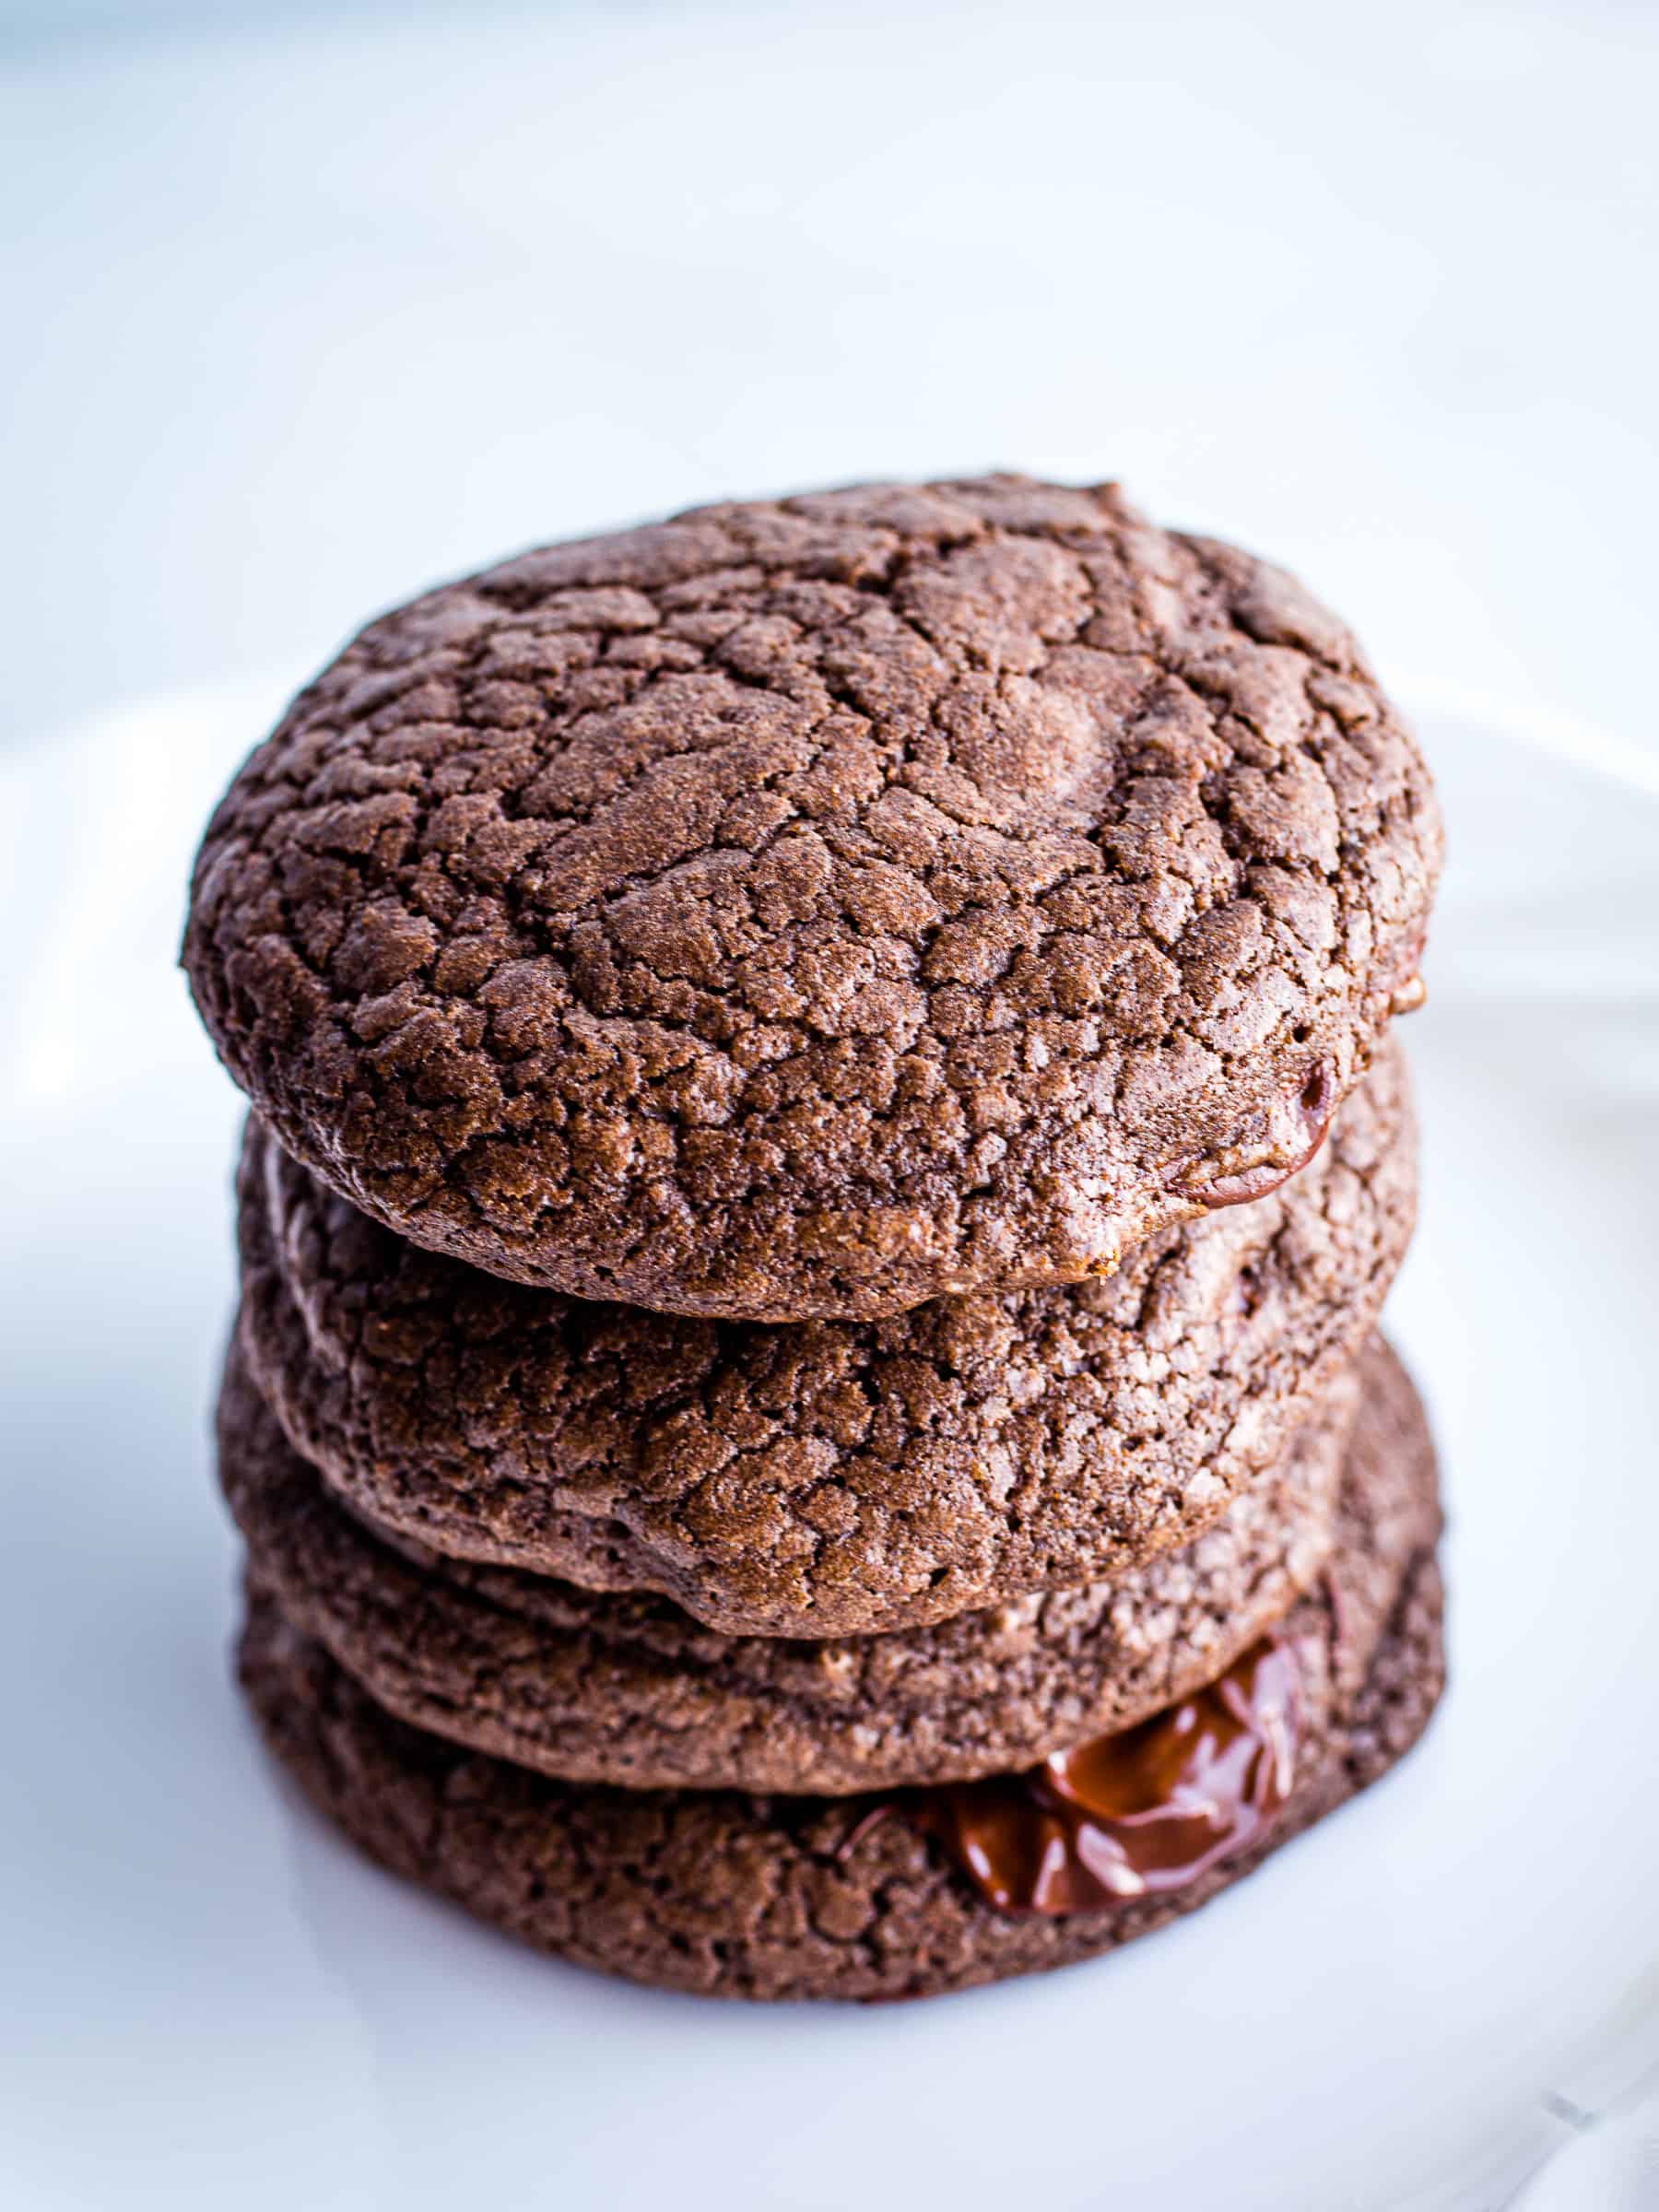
x,y
824,1477
734,1894
630,1690
813,907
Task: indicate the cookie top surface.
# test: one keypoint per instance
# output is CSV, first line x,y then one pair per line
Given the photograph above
x,y
814,907
819,1478
600,1687
736,1895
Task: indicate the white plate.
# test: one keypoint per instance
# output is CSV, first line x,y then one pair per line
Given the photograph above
x,y
209,2001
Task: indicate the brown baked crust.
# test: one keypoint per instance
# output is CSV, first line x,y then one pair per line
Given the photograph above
x,y
825,1478
819,906
739,1896
631,1690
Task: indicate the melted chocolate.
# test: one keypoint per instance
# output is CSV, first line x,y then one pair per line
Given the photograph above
x,y
1409,990
1129,1814
1315,1105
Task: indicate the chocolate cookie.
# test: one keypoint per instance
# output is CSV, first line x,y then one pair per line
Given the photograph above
x,y
815,907
631,1690
892,1897
824,1477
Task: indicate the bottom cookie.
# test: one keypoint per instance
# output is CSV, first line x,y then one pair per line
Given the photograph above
x,y
873,1897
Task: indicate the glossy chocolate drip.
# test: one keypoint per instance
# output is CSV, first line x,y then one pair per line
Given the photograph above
x,y
1315,1106
1409,990
1129,1814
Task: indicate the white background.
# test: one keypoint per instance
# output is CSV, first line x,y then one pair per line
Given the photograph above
x,y
307,307
310,306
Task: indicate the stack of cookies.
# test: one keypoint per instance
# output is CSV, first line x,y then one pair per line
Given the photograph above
x,y
805,1410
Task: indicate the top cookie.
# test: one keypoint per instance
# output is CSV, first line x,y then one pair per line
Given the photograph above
x,y
809,908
